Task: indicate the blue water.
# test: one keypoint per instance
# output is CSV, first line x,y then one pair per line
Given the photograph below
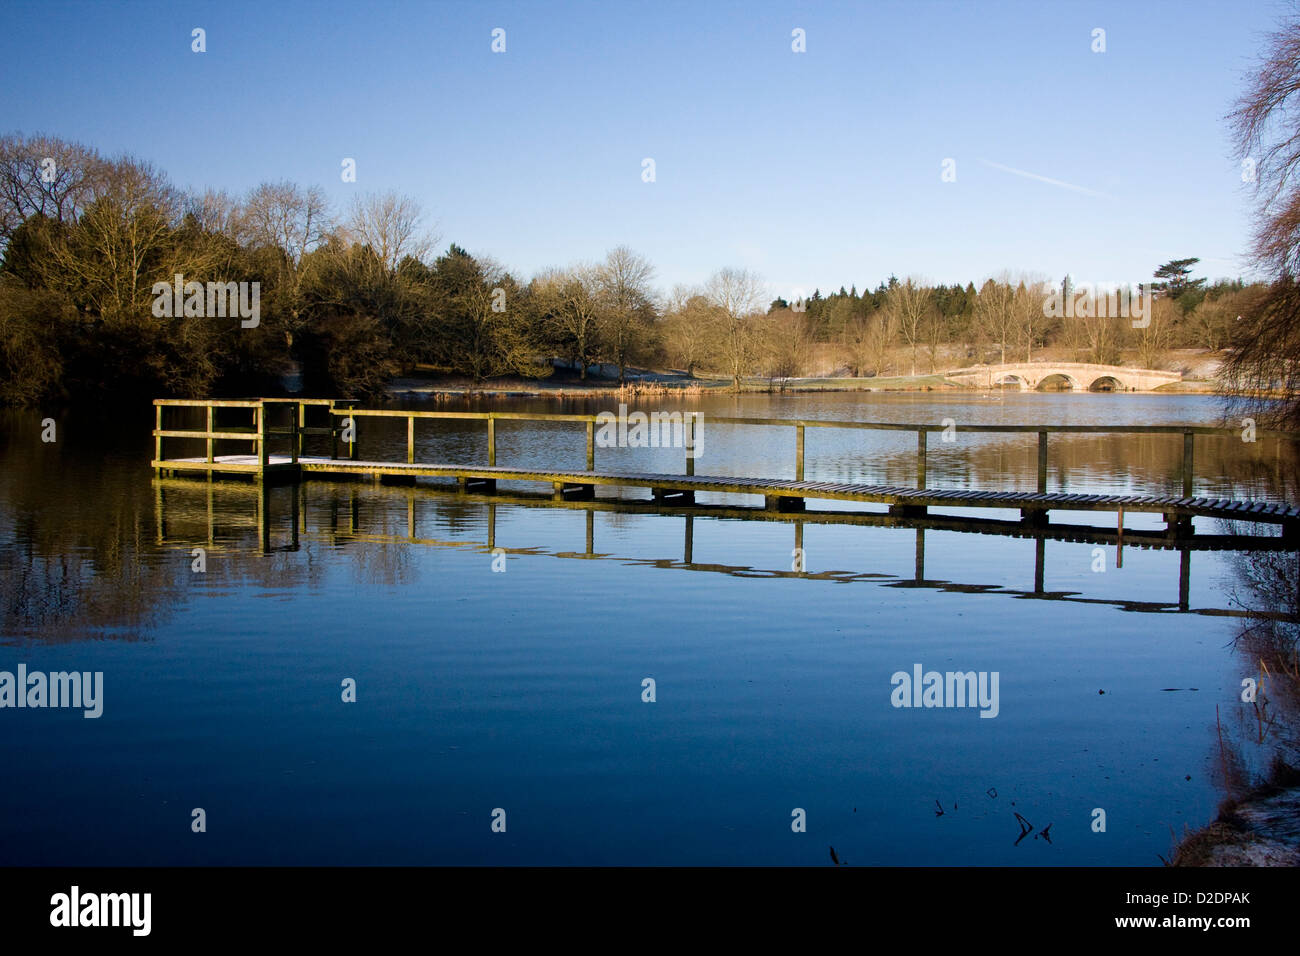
x,y
522,690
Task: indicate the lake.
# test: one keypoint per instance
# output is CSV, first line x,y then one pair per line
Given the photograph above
x,y
500,651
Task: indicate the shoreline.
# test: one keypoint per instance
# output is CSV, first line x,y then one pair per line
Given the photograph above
x,y
410,387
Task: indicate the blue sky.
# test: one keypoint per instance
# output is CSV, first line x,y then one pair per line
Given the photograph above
x,y
813,169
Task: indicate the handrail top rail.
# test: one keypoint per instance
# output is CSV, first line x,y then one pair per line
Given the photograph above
x,y
719,420
209,402
249,402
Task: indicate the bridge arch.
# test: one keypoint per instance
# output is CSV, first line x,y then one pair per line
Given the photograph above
x,y
1016,379
1108,383
1058,381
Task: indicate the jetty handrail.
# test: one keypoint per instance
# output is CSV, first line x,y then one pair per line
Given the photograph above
x,y
257,434
346,410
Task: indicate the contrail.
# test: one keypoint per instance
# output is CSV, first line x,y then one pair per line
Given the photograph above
x,y
1046,179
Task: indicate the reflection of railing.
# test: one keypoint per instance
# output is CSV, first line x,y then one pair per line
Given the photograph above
x,y
344,524
342,418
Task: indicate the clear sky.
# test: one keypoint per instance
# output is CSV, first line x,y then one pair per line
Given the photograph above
x,y
814,169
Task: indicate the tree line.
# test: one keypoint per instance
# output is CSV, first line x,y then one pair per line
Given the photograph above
x,y
351,299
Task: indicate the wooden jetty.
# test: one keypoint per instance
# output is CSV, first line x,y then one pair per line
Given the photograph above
x,y
339,421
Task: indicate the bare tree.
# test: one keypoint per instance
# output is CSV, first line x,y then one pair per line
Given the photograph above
x,y
787,343
910,303
291,222
856,339
1213,321
932,330
215,211
995,313
1265,348
1027,311
112,261
626,304
1266,125
738,295
287,217
1152,339
567,302
690,327
392,225
46,176
882,333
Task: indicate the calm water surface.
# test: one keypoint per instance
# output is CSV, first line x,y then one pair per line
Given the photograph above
x,y
522,690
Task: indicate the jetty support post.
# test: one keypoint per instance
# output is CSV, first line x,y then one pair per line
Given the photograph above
x,y
1033,517
783,503
1291,534
567,491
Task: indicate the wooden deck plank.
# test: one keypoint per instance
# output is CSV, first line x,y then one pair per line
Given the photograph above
x,y
850,491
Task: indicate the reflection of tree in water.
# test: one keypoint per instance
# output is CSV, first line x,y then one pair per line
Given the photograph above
x,y
1267,729
1256,758
78,552
72,540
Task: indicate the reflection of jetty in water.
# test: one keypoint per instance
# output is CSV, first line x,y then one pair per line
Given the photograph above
x,y
275,534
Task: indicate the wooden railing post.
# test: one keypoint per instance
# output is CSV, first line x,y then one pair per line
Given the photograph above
x,y
1188,439
1042,462
591,446
690,444
295,436
334,433
492,440
301,424
410,439
920,458
157,436
211,423
798,453
262,457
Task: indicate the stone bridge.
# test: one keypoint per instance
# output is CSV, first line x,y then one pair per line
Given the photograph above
x,y
1077,376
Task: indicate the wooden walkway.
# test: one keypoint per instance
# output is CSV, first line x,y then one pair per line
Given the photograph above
x,y
778,494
